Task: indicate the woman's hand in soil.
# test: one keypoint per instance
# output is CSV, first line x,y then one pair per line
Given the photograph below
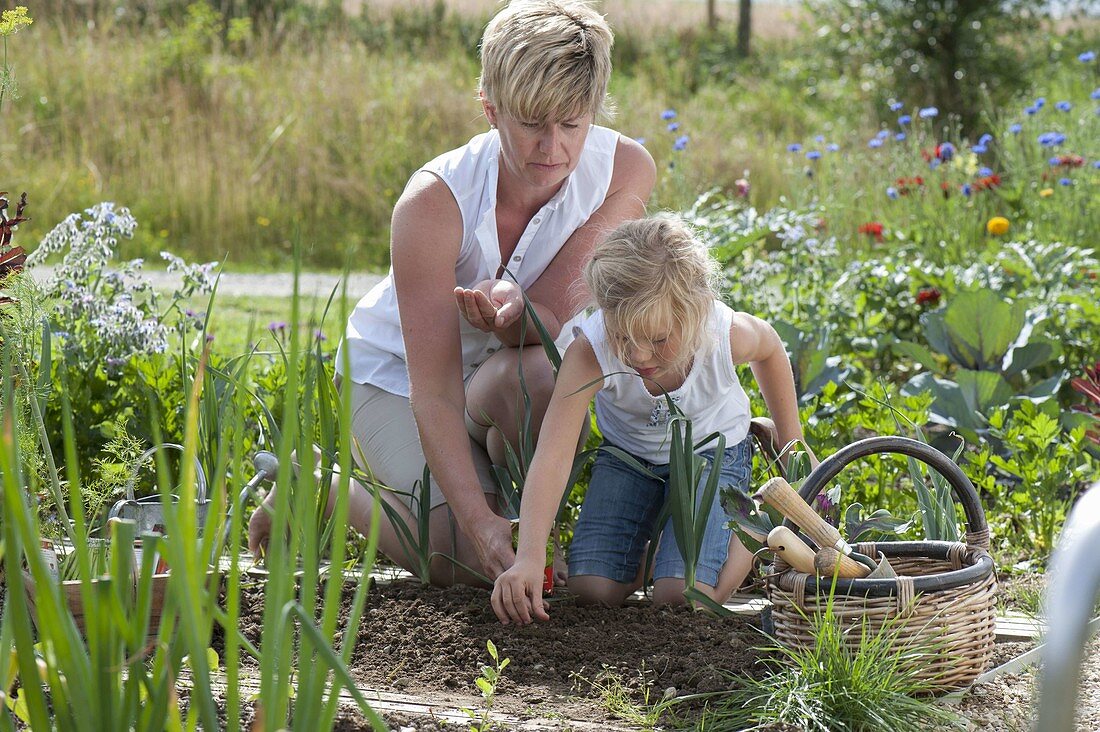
x,y
492,541
517,594
491,305
259,527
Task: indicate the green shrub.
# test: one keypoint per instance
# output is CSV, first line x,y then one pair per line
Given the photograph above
x,y
951,55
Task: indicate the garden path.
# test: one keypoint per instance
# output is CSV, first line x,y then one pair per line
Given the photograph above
x,y
256,284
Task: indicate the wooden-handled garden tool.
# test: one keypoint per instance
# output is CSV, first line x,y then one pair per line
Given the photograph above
x,y
778,493
793,550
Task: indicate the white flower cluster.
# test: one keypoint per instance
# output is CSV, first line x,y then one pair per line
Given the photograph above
x,y
197,278
105,312
91,239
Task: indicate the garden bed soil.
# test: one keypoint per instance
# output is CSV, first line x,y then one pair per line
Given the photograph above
x,y
430,643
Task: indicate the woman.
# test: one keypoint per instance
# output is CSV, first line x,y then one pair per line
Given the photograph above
x,y
433,349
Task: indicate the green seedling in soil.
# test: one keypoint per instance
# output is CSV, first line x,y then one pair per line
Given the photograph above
x,y
487,682
617,697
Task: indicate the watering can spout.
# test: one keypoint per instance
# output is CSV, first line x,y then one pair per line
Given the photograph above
x,y
266,463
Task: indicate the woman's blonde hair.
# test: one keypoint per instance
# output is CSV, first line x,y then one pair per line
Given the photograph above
x,y
547,61
653,272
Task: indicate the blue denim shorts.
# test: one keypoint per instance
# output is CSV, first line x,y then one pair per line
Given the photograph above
x,y
620,510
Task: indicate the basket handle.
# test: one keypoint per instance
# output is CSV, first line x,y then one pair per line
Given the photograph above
x,y
977,530
200,474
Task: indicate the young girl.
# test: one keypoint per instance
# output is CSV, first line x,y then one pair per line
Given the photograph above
x,y
659,328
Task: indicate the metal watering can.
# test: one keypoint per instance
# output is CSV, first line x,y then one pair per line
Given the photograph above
x,y
147,512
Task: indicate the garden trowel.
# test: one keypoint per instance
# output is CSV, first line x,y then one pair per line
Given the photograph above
x,y
778,493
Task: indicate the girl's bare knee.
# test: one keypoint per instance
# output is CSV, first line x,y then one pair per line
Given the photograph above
x,y
668,591
591,590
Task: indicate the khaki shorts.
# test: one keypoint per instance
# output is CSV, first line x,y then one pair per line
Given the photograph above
x,y
384,436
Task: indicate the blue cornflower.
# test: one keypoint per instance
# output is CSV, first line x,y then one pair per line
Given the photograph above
x,y
892,193
1087,57
1055,161
985,139
905,119
984,172
1096,163
794,147
882,134
965,189
979,149
945,151
1031,111
681,142
813,155
900,136
673,126
895,106
832,147
668,114
1040,102
934,163
875,142
1095,93
1015,128
819,138
928,113
1051,139
1063,106
1065,182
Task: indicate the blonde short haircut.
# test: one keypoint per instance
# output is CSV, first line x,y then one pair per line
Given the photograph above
x,y
547,61
650,273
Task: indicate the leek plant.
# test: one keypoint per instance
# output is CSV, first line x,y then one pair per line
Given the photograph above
x,y
116,674
690,498
510,478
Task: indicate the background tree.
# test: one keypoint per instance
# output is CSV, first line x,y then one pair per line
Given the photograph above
x,y
951,54
744,28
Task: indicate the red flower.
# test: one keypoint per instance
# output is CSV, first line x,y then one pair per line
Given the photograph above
x,y
1070,161
928,296
907,185
872,228
946,189
987,182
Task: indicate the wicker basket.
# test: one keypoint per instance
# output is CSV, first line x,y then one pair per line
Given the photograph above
x,y
943,597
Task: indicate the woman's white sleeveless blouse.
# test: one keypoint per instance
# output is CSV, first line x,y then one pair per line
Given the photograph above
x,y
373,338
711,396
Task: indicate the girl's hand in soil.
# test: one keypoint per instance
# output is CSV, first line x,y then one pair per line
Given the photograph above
x,y
491,305
517,594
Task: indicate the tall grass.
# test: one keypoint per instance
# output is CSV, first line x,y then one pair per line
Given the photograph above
x,y
108,677
224,148
827,686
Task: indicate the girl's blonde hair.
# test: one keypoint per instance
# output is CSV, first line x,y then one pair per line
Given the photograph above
x,y
653,272
547,61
